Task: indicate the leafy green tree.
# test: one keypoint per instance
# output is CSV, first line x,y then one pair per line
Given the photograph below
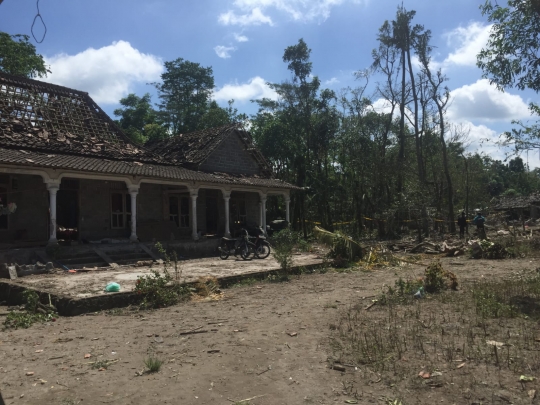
x,y
185,94
296,133
18,57
216,116
511,59
139,120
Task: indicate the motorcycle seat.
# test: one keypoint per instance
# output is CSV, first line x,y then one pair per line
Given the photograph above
x,y
229,239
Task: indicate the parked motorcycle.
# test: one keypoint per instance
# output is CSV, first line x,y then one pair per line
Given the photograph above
x,y
239,246
262,247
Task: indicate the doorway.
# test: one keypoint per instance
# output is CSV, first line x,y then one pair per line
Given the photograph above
x,y
212,215
67,210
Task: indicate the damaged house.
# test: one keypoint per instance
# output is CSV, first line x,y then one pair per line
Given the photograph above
x,y
517,207
74,175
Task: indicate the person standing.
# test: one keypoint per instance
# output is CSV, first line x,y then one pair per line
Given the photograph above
x,y
479,221
462,223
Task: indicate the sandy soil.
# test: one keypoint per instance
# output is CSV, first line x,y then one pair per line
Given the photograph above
x,y
267,341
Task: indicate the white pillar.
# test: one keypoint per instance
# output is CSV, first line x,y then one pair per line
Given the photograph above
x,y
260,214
287,211
194,193
53,189
133,191
226,198
263,212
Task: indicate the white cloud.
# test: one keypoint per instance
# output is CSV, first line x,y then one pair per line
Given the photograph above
x,y
107,73
255,17
255,88
331,81
224,51
240,38
482,101
467,42
298,10
481,138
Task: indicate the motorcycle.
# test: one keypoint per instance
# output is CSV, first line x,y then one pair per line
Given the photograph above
x,y
239,246
262,247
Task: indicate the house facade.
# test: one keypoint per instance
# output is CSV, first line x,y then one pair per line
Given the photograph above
x,y
74,175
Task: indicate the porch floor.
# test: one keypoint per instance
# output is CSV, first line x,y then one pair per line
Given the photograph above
x,y
92,283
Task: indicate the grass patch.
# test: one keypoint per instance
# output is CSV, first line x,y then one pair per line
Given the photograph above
x,y
153,364
34,311
489,323
102,364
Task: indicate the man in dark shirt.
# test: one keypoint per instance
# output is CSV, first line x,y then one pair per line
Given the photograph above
x,y
462,223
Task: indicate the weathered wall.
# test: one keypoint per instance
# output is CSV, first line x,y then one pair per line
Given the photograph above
x,y
30,221
95,209
231,157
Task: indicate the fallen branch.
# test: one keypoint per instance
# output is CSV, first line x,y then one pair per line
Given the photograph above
x,y
194,330
247,399
370,305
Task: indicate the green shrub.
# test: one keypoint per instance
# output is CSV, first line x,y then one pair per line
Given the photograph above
x,y
34,312
158,290
283,243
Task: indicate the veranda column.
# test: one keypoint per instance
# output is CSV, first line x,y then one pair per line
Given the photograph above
x,y
194,193
226,198
133,191
53,189
263,212
260,214
287,212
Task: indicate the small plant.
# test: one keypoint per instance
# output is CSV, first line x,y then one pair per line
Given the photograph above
x,y
437,279
284,242
101,364
153,364
34,312
155,290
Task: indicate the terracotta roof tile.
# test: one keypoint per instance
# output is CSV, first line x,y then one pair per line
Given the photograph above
x,y
97,165
50,126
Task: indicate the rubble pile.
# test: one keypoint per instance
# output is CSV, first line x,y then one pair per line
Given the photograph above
x,y
13,271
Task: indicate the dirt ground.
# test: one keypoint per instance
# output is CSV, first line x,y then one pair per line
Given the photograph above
x,y
266,341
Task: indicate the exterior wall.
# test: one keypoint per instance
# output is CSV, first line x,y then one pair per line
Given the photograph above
x,y
31,220
231,157
252,208
95,209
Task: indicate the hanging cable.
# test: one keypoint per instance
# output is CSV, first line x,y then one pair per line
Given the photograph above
x,y
38,15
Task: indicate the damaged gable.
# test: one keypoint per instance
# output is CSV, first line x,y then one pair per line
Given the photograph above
x,y
225,149
231,156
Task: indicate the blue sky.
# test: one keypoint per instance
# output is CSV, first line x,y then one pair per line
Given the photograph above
x,y
113,47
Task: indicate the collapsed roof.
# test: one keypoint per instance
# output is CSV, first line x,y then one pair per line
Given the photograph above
x,y
518,202
192,149
45,125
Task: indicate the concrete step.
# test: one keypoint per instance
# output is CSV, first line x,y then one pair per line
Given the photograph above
x,y
87,265
129,255
77,260
130,261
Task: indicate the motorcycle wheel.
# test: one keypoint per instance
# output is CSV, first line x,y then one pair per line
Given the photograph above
x,y
263,250
223,252
247,251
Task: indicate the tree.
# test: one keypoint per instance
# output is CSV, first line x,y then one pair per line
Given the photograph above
x,y
139,120
185,95
216,116
18,57
511,58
